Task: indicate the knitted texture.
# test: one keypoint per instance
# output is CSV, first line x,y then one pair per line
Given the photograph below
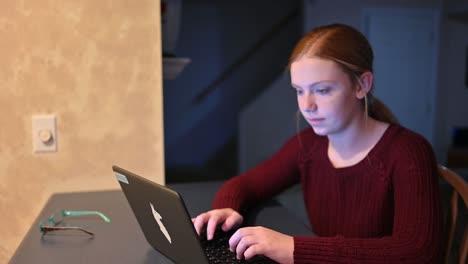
x,y
384,209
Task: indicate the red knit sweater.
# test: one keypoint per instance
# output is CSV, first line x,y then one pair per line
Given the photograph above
x,y
384,209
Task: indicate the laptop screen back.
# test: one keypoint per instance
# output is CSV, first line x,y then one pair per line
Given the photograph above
x,y
163,218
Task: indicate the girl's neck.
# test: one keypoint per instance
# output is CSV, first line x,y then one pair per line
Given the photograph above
x,y
358,138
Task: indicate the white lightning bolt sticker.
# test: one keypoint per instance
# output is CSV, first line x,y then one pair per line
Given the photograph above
x,y
158,219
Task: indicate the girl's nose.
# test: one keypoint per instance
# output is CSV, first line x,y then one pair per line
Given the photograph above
x,y
309,104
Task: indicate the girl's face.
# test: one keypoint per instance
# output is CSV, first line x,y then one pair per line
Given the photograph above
x,y
326,96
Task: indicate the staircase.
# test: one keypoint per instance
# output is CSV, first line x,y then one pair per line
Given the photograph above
x,y
201,131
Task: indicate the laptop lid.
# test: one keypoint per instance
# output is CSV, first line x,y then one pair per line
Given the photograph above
x,y
163,218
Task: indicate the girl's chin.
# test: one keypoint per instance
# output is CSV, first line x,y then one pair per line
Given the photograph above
x,y
321,131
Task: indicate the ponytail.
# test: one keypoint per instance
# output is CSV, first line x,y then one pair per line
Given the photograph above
x,y
380,111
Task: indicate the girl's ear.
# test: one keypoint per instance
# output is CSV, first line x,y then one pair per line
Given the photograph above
x,y
365,84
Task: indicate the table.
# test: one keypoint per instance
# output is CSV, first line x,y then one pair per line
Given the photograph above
x,y
122,241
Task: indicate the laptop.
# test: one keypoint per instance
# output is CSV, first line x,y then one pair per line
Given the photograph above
x,y
167,226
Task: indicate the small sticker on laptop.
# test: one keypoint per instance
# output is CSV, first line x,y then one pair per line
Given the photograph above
x,y
121,178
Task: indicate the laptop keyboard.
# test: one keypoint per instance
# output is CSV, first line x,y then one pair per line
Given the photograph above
x,y
217,250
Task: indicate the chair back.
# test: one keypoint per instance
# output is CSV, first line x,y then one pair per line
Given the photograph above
x,y
459,189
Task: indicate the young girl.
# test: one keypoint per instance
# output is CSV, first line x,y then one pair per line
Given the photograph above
x,y
370,186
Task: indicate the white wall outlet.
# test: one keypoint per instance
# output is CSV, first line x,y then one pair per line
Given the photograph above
x,y
44,132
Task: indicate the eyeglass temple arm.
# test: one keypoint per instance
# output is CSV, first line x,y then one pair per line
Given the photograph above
x,y
57,228
78,213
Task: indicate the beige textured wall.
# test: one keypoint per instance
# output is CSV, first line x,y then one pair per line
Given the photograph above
x,y
97,66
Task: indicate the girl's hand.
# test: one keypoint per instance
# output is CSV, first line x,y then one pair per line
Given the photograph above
x,y
226,216
250,241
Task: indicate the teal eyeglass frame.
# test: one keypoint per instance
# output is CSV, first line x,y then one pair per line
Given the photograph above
x,y
59,215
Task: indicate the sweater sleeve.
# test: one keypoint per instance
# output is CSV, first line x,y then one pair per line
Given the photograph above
x,y
417,232
263,181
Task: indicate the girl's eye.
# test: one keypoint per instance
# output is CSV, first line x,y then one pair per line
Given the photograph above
x,y
322,91
298,91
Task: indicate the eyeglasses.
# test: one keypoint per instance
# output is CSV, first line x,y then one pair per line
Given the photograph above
x,y
60,215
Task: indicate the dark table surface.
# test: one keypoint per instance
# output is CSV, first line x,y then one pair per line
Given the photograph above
x,y
122,240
